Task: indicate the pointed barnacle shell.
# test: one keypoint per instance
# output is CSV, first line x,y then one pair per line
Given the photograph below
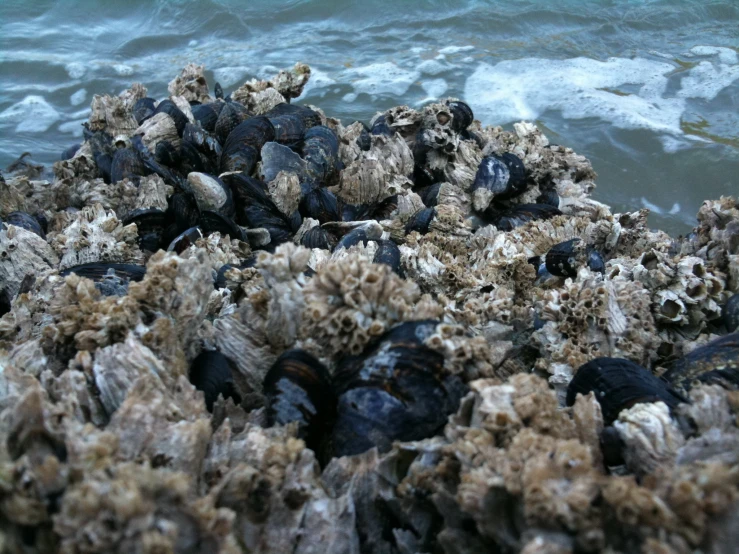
x,y
95,234
651,438
190,84
22,253
159,128
285,192
113,115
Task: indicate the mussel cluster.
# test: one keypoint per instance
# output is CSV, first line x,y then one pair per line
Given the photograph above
x,y
233,324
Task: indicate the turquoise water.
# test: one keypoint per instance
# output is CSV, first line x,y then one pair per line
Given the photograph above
x,y
648,90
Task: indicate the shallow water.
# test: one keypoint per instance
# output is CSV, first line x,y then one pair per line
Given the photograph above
x,y
648,90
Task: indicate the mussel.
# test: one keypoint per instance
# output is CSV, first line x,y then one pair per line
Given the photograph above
x,y
243,145
232,114
462,115
211,193
321,153
298,388
214,222
185,240
171,109
430,194
364,140
126,165
619,384
151,224
211,373
388,253
565,258
206,115
715,363
520,214
70,151
355,236
27,222
317,237
502,176
111,279
218,91
396,390
319,203
548,196
730,313
381,127
420,221
143,109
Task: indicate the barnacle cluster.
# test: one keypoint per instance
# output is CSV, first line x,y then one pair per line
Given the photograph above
x,y
231,323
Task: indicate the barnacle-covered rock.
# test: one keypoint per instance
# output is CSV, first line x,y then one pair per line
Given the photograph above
x,y
22,253
190,84
261,96
114,114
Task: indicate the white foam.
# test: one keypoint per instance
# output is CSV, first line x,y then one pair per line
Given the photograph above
x,y
229,76
193,42
72,127
381,78
75,70
725,55
123,69
349,97
318,79
432,67
434,88
78,97
455,49
33,114
675,209
581,87
706,80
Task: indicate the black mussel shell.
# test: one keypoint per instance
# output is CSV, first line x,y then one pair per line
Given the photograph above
x,y
208,191
110,279
521,214
27,221
394,391
430,195
42,220
218,91
143,109
70,151
231,116
462,115
355,236
206,115
150,224
298,388
716,363
126,165
321,153
388,253
612,446
254,208
619,384
213,222
504,176
380,127
165,153
192,160
470,135
104,163
548,196
289,129
278,157
5,302
364,140
319,203
730,313
243,145
184,209
384,209
309,117
204,141
317,237
211,373
564,259
420,221
220,279
171,109
150,163
185,240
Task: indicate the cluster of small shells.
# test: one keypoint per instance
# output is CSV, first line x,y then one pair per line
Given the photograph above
x,y
107,446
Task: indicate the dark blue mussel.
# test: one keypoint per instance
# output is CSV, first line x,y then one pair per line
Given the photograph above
x,y
27,222
291,122
716,363
317,237
319,203
298,388
143,109
211,373
396,390
388,253
730,313
520,214
243,145
504,176
230,116
70,151
207,115
321,154
462,115
126,164
565,258
171,109
421,221
619,384
151,224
